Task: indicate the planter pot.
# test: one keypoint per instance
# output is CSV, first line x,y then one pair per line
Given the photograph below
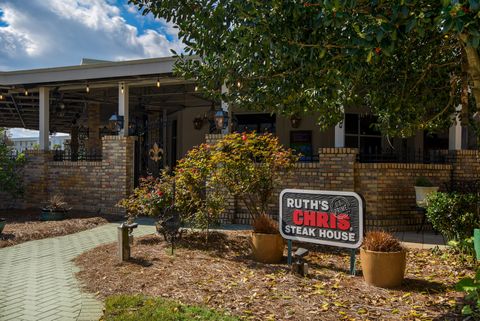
x,y
383,269
267,248
421,193
476,242
47,215
2,224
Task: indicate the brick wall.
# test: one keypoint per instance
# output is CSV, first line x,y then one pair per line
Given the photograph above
x,y
388,190
89,186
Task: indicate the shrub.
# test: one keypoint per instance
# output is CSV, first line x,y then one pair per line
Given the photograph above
x,y
265,224
10,168
453,215
198,195
423,182
380,241
250,167
150,198
472,298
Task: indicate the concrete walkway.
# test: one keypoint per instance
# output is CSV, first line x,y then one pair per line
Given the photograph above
x,y
38,277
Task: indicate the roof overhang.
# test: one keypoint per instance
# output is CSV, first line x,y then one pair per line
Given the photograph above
x,y
102,70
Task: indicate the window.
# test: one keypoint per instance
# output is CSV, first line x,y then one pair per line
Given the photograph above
x,y
301,143
360,133
259,123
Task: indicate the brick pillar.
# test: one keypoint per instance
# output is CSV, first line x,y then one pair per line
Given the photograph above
x,y
465,164
94,141
338,168
36,179
117,171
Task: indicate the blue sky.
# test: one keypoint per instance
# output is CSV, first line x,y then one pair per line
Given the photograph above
x,y
50,33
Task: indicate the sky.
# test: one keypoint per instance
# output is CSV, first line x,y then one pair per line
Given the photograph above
x,y
52,33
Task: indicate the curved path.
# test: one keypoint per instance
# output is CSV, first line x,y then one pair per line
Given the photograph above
x,y
37,278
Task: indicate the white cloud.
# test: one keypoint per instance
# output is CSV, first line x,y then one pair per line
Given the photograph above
x,y
41,33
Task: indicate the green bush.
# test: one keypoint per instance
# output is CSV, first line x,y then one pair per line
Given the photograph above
x,y
11,168
422,181
472,298
453,215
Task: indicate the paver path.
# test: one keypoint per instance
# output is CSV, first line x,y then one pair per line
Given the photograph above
x,y
37,278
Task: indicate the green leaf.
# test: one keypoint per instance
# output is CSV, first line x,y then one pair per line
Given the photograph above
x,y
467,310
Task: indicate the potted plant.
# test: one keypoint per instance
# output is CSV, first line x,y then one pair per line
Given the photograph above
x,y
55,209
250,167
423,187
2,224
383,260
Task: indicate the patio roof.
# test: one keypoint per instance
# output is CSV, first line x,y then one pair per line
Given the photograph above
x,y
93,81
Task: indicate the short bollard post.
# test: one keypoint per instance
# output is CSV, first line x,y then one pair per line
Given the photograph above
x,y
125,239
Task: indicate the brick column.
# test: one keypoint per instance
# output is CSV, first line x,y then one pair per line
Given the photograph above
x,y
117,171
465,164
36,180
338,168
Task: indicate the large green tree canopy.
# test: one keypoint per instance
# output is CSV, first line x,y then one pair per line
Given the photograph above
x,y
408,62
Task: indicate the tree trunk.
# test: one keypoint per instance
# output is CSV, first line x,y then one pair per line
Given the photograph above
x,y
473,69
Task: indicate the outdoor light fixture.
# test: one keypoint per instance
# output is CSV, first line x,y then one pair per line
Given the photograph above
x,y
87,88
1,96
198,123
116,122
122,88
158,82
196,88
295,121
221,119
26,92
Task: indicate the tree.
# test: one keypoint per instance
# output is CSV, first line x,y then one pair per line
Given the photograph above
x,y
410,62
10,168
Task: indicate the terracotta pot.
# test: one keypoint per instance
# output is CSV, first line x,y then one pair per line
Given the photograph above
x,y
267,248
421,193
383,269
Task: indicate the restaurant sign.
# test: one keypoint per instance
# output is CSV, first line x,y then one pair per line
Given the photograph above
x,y
322,217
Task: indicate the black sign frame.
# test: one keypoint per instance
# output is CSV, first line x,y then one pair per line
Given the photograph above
x,y
355,245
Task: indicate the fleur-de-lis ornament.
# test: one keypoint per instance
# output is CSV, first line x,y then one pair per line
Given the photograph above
x,y
155,153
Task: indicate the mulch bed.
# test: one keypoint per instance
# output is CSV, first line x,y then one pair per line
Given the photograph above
x,y
24,225
222,276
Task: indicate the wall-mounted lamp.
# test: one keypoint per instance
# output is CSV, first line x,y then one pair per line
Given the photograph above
x,y
116,122
198,123
295,121
122,88
158,82
221,119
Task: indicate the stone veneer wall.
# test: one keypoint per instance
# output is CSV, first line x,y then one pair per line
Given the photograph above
x,y
89,186
388,188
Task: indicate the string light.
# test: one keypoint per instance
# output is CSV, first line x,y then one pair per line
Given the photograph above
x,y
196,88
238,84
1,96
26,92
158,82
87,88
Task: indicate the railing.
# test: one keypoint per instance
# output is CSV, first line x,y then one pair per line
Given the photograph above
x,y
393,156
63,155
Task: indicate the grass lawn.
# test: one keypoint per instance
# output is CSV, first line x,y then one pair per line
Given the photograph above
x,y
141,308
24,225
221,275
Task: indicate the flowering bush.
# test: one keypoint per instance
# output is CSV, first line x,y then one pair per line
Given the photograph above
x,y
198,197
250,167
151,197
